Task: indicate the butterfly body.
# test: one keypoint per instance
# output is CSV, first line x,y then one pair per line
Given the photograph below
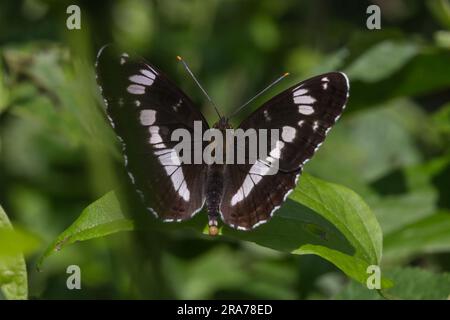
x,y
214,191
145,108
215,181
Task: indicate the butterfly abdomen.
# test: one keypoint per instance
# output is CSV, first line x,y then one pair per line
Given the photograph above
x,y
214,191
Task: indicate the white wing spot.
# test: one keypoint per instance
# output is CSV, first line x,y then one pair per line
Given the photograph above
x,y
154,135
239,196
170,169
247,186
304,100
177,178
300,92
256,178
259,168
288,133
256,172
170,158
176,106
141,80
148,74
123,58
136,89
300,123
159,146
305,109
315,125
184,191
147,117
276,152
153,70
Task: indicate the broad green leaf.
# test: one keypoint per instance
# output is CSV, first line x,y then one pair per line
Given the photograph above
x,y
343,230
381,61
99,219
346,211
429,235
410,283
352,266
13,270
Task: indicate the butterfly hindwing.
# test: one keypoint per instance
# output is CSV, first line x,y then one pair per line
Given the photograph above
x,y
303,114
144,108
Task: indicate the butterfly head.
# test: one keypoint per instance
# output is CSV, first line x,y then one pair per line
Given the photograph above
x,y
222,124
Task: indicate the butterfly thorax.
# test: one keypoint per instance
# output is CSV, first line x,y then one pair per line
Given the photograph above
x,y
222,124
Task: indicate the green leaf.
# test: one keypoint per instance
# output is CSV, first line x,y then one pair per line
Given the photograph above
x,y
392,145
342,230
99,219
394,212
429,235
424,73
13,270
352,266
346,211
410,283
382,60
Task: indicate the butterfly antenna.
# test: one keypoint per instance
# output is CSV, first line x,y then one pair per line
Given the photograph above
x,y
260,93
199,85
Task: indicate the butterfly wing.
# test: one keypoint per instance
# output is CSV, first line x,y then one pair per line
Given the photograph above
x,y
303,114
144,108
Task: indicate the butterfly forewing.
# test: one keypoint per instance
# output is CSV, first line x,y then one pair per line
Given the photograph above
x,y
303,115
144,108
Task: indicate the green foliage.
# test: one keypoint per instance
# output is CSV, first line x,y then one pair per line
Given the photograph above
x,y
345,213
380,61
100,219
412,284
13,271
428,235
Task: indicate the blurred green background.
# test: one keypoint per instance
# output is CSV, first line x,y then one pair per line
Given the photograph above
x,y
57,153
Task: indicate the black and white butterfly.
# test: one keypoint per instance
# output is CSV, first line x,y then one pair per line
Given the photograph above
x,y
145,107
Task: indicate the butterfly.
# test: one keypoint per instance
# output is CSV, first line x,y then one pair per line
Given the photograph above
x,y
144,108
